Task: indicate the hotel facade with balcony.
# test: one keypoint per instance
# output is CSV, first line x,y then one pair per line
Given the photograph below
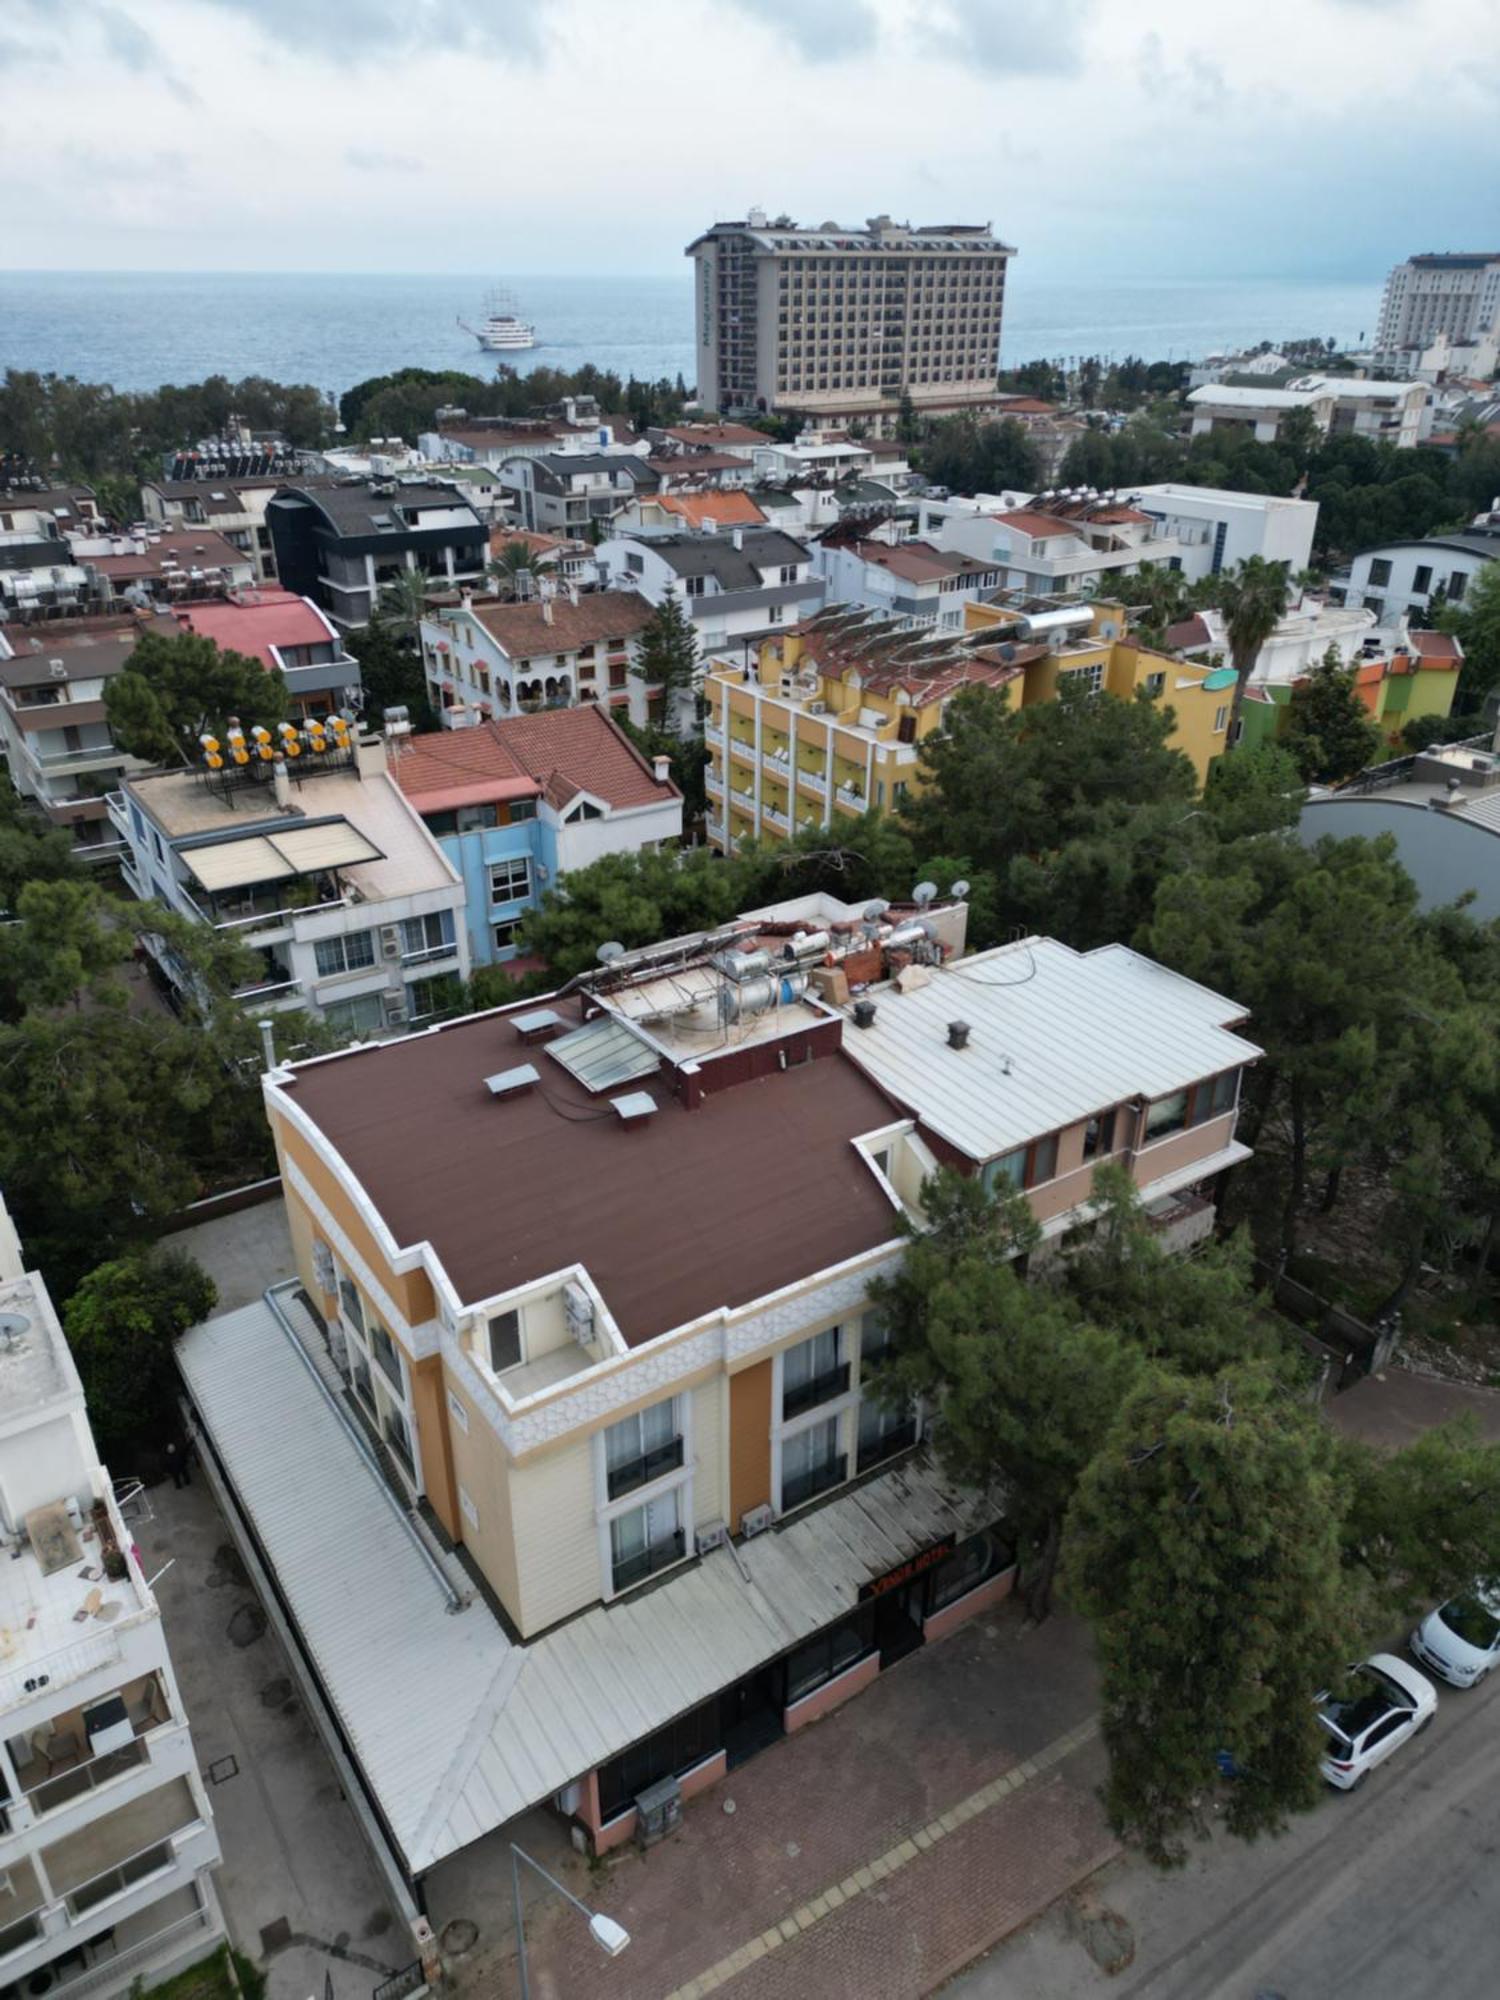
x,y
107,1841
595,1272
329,876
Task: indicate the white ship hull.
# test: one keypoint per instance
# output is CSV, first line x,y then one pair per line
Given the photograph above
x,y
505,340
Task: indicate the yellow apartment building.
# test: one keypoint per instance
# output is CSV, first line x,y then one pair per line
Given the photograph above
x,y
830,717
605,1310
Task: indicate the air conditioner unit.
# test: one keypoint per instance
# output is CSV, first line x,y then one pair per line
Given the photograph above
x,y
755,1522
395,1008
817,708
578,1311
658,1812
390,940
712,1535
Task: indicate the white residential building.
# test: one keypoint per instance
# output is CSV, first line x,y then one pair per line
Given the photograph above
x,y
330,876
107,1841
485,661
1451,292
1389,412
737,588
911,581
1400,579
1298,644
1058,547
1218,530
569,493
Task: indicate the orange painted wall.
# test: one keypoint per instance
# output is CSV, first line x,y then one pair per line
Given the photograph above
x,y
411,1290
749,1441
431,1413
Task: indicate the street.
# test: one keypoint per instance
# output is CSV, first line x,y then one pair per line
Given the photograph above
x,y
1384,1894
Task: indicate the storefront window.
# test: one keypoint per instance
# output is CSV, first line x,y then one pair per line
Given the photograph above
x,y
830,1653
972,1563
667,1754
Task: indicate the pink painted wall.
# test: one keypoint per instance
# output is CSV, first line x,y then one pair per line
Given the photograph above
x,y
995,1591
603,1838
1200,1142
822,1701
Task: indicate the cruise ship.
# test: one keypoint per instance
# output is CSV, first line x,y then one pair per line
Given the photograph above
x,y
502,330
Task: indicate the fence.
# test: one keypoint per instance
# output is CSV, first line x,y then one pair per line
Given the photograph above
x,y
1344,1347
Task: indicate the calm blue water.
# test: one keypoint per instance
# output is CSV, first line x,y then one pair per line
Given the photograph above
x,y
138,329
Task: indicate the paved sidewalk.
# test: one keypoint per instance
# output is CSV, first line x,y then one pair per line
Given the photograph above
x,y
1396,1407
884,1847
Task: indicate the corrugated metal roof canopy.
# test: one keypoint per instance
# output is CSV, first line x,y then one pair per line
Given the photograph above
x,y
603,1053
337,846
235,864
500,1726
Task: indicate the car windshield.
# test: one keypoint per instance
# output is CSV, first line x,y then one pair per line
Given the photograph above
x,y
1473,1621
1371,1695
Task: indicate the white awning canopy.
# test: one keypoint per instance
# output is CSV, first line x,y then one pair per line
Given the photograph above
x,y
275,857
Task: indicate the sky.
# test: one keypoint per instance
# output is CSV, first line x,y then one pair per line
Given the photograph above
x,y
1155,138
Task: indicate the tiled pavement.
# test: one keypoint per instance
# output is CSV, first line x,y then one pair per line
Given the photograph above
x,y
884,1847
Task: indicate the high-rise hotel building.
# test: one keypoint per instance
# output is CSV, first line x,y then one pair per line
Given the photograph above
x,y
836,324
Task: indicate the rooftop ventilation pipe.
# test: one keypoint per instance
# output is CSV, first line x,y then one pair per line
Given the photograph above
x,y
864,1013
958,1034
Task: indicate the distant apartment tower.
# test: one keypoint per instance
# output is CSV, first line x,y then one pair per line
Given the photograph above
x,y
107,1841
1453,292
835,323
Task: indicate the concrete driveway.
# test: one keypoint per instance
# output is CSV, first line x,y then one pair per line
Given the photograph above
x,y
1396,1407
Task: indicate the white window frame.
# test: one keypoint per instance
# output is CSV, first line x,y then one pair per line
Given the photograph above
x,y
1221,718
841,1408
1092,677
680,1480
343,940
508,863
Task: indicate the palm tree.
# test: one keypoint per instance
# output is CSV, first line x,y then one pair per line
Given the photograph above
x,y
403,602
1254,601
505,571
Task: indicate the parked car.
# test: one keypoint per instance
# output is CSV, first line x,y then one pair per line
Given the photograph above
x,y
1461,1639
1387,1701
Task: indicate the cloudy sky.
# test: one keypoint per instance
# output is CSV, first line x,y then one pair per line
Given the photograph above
x,y
1316,138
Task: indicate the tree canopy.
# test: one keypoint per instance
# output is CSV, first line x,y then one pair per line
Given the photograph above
x,y
121,1323
174,689
1329,734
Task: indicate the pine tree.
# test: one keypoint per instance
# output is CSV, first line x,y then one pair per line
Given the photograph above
x,y
667,659
1329,732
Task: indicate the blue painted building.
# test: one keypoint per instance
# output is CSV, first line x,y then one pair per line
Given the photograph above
x,y
516,804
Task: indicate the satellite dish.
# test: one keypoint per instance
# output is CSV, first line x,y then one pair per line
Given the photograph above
x,y
608,953
12,1327
924,893
959,891
875,911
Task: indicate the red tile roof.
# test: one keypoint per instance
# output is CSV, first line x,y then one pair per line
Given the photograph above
x,y
188,549
919,562
253,621
726,510
1027,521
712,434
1437,649
524,630
559,752
689,464
1187,633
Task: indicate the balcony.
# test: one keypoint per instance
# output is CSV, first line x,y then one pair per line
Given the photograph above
x,y
818,1389
848,796
714,826
739,747
804,1486
713,733
779,758
875,1451
814,781
430,954
713,781
661,1555
641,1471
774,818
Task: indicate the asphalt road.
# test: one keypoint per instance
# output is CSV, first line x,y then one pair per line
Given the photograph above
x,y
1388,1893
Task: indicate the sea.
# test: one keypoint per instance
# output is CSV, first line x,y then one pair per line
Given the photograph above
x,y
139,329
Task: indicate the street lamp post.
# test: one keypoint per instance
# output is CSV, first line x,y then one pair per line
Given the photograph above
x,y
606,1933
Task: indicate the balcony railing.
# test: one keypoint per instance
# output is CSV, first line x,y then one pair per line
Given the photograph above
x,y
814,780
661,1555
712,733
875,1451
400,1444
801,1486
775,818
738,747
818,1389
641,1471
712,781
139,1868
429,954
54,1792
847,796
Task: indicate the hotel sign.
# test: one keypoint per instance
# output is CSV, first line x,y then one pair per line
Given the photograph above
x,y
914,1566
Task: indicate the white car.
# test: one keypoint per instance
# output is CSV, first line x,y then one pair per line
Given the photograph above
x,y
1461,1639
1387,1702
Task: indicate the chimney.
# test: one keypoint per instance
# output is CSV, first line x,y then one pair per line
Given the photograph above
x,y
281,784
958,1034
663,769
864,1013
369,756
737,536
547,610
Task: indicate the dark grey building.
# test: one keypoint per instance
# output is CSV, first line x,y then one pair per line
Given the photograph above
x,y
340,545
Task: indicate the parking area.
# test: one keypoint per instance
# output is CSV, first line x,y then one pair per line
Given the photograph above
x,y
300,1893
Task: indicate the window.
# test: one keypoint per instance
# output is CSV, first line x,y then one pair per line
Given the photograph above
x,y
1421,581
1380,572
356,1018
440,995
1089,680
642,1447
1167,1114
774,614
384,1350
504,1332
1213,1098
883,1430
1026,1166
1458,583
1155,685
398,1437
584,809
645,1540
789,573
694,586
812,1372
432,933
1043,1165
354,952
1099,1135
522,809
510,881
467,1508
688,1741
634,563
811,1462
458,1412
1221,718
831,1653
505,936
353,1306
973,1562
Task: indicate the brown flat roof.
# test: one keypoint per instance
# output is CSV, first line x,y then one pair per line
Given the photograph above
x,y
672,1217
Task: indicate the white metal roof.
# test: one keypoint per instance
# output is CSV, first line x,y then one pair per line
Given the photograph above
x,y
231,864
457,1728
1056,1035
